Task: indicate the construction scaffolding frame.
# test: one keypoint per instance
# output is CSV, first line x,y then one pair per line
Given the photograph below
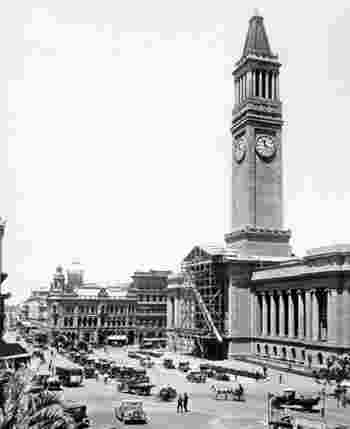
x,y
206,281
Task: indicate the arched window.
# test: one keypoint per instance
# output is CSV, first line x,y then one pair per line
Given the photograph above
x,y
320,358
258,348
284,353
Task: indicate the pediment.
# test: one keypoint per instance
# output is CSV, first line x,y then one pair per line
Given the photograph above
x,y
203,252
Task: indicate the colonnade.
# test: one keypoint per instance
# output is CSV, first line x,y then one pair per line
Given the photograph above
x,y
257,83
303,314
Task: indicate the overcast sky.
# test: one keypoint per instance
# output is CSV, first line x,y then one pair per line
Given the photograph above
x,y
116,146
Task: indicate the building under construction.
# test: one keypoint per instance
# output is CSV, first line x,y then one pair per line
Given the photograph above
x,y
198,299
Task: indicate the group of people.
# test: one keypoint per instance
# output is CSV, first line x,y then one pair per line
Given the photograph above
x,y
182,403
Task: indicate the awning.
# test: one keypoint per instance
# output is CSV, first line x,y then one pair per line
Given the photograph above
x,y
117,338
12,351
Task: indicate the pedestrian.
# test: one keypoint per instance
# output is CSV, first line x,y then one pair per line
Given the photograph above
x,y
185,402
281,378
96,374
105,376
180,404
344,400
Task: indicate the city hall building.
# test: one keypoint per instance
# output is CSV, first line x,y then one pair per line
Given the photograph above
x,y
251,294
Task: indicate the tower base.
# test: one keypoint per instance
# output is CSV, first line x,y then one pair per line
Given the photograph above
x,y
254,241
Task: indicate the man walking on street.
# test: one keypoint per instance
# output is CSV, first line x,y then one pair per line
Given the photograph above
x,y
185,402
180,404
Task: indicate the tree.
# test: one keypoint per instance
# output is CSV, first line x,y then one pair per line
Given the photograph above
x,y
23,410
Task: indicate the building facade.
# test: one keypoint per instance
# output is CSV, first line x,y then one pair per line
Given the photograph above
x,y
34,308
150,287
3,277
251,294
93,311
88,311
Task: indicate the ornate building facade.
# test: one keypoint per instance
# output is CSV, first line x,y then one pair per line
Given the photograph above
x,y
251,294
92,311
87,311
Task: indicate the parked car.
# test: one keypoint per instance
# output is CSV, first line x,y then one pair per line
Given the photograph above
x,y
196,377
78,412
290,397
221,376
168,363
135,387
131,412
167,393
184,366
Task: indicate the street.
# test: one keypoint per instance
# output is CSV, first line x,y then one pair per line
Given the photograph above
x,y
205,411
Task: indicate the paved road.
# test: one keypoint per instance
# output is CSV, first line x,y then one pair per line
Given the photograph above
x,y
205,411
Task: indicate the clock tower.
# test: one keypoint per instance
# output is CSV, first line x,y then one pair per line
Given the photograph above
x,y
257,197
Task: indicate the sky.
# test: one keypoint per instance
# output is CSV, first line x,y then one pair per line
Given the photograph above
x,y
116,145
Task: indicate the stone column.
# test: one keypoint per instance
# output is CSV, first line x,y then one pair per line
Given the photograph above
x,y
249,84
290,315
264,314
273,313
308,314
346,315
301,310
260,83
277,87
253,83
272,85
266,84
332,320
315,317
339,311
281,314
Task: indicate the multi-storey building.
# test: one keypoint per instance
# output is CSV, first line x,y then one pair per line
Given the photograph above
x,y
90,311
251,295
149,288
34,308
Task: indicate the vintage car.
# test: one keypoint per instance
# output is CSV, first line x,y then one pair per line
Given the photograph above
x,y
146,362
289,397
184,366
134,355
196,377
45,381
131,412
220,376
89,371
167,393
135,388
78,412
168,363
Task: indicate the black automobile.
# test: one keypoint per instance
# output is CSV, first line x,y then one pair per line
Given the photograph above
x,y
78,412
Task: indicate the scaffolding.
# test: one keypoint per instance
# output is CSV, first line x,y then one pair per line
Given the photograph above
x,y
206,282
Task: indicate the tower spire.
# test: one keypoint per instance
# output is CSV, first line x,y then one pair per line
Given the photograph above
x,y
257,42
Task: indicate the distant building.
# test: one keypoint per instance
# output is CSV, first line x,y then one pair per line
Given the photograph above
x,y
34,308
90,312
93,312
150,290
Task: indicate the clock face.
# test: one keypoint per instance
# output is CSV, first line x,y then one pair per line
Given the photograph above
x,y
265,146
240,149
